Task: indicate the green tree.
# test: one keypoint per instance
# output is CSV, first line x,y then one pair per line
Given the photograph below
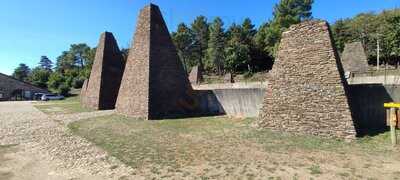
x,y
368,28
22,72
39,77
289,12
286,13
65,62
341,33
57,84
184,41
261,59
200,29
248,31
391,37
237,52
81,53
90,55
216,47
45,63
75,64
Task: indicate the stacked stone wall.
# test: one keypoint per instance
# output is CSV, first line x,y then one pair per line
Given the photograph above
x,y
307,89
105,78
195,76
354,58
155,84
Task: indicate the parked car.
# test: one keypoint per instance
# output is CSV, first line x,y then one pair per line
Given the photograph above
x,y
38,96
47,97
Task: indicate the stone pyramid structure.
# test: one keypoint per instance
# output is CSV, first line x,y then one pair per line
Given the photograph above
x,y
307,92
155,84
196,76
105,78
83,92
354,58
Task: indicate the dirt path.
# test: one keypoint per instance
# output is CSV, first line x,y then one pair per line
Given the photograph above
x,y
35,146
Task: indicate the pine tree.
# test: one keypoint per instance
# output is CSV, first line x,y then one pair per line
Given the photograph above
x,y
45,63
286,13
216,47
184,41
237,52
340,32
248,31
39,77
200,29
22,72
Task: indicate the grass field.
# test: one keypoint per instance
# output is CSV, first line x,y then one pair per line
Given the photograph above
x,y
221,147
69,105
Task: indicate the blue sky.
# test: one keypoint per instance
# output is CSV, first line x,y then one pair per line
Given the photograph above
x,y
32,28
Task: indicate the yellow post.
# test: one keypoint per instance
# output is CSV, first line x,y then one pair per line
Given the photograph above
x,y
393,123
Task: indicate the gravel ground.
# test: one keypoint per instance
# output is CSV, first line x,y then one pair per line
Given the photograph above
x,y
41,147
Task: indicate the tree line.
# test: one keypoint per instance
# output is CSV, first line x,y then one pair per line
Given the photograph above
x,y
369,28
72,67
241,48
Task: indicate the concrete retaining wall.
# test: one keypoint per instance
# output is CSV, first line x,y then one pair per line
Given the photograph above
x,y
374,80
239,101
238,85
367,101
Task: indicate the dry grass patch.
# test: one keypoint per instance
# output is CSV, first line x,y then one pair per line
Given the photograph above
x,y
221,147
70,105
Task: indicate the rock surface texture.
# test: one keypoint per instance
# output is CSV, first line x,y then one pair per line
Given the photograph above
x,y
195,76
105,78
83,92
155,84
307,91
354,58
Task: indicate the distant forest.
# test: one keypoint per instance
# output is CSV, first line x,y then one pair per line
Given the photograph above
x,y
240,48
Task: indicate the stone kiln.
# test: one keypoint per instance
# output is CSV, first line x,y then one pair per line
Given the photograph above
x,y
195,76
105,78
307,91
354,58
155,84
83,92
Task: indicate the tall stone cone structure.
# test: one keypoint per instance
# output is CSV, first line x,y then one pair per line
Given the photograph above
x,y
354,58
105,78
307,91
196,76
83,92
154,85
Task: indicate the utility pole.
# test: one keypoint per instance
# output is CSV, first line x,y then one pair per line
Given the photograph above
x,y
377,53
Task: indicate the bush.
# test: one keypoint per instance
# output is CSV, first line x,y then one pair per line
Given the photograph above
x,y
77,83
248,74
55,81
63,90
